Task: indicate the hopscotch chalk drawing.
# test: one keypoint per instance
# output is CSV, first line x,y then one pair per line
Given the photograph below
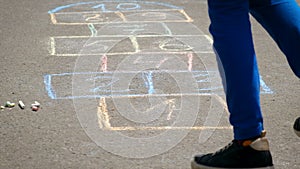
x,y
144,61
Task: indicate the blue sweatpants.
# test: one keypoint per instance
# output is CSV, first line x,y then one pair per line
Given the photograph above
x,y
233,44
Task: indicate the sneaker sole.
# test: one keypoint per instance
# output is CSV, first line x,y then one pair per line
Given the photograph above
x,y
297,133
297,126
198,166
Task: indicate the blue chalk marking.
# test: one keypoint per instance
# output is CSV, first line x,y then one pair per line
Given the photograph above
x,y
204,75
201,75
148,80
145,80
100,88
103,8
265,88
134,6
168,31
202,81
48,86
211,88
68,6
98,77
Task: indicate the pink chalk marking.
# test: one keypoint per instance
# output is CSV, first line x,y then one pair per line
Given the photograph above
x,y
190,61
137,60
104,63
161,62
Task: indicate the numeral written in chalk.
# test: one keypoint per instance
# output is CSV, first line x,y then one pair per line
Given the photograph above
x,y
132,29
117,7
94,17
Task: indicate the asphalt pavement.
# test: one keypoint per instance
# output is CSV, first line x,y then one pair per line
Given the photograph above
x,y
126,84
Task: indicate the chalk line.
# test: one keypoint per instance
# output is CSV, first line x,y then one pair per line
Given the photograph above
x,y
122,16
102,114
189,19
53,19
57,9
129,128
52,46
93,30
190,61
135,44
171,103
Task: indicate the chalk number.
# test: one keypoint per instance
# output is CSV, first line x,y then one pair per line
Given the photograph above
x,y
118,7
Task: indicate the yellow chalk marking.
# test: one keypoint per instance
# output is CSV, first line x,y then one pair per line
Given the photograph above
x,y
102,114
135,43
189,19
53,18
122,16
94,18
209,39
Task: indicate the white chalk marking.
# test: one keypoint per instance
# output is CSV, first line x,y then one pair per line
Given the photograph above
x,y
190,61
172,107
129,128
52,46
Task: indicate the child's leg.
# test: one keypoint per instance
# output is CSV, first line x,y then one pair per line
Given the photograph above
x,y
231,31
281,18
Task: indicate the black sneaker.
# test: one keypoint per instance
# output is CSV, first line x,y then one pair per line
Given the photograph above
x,y
237,154
297,126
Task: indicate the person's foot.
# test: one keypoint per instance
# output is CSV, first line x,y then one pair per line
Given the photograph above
x,y
237,154
297,126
